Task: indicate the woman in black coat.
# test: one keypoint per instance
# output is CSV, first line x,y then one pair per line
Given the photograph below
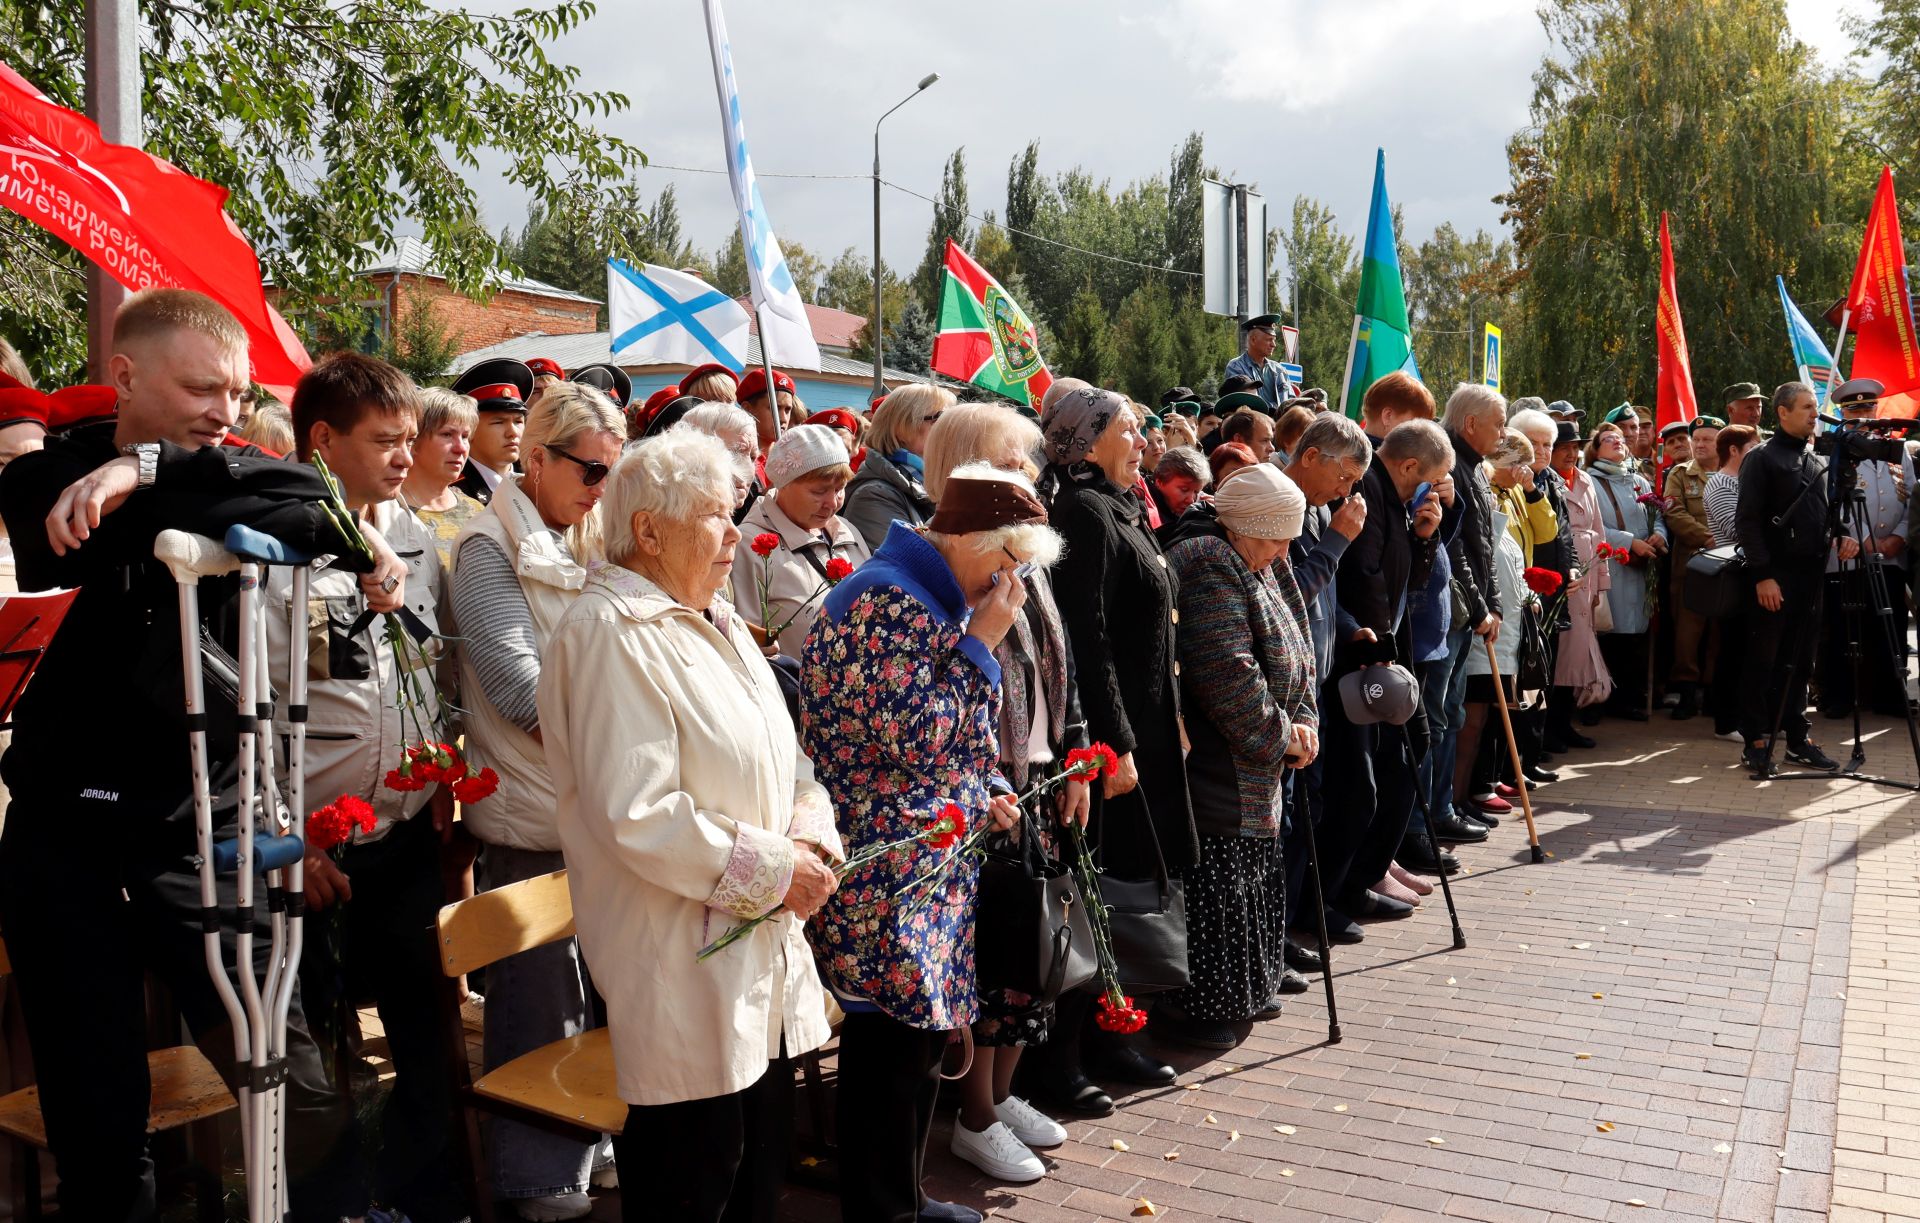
x,y
1117,599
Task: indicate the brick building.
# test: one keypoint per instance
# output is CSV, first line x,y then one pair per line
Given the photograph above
x,y
397,277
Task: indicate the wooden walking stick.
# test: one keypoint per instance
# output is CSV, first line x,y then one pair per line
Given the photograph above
x,y
1513,750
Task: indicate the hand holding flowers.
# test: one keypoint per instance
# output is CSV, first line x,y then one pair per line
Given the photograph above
x,y
763,546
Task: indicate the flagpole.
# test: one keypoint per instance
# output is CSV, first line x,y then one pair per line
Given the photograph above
x,y
766,365
1346,380
1839,347
113,101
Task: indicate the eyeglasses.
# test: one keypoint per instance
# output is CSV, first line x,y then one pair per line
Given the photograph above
x,y
930,418
590,473
1021,569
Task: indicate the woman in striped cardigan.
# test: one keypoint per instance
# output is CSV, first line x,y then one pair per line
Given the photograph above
x,y
1247,674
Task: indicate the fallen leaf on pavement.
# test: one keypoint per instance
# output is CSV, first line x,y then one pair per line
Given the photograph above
x,y
1339,1108
809,1161
1286,1171
1525,947
1233,1135
1582,1057
1172,1157
1437,1141
1120,1146
1146,1208
1605,1127
1630,1202
1193,1087
1722,1148
1283,1129
1451,981
1599,995
1209,1119
1581,946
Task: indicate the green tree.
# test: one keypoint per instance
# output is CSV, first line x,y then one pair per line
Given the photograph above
x,y
730,266
910,345
418,341
1143,336
1708,109
949,221
1326,282
567,242
848,284
1892,111
332,126
1083,342
1454,286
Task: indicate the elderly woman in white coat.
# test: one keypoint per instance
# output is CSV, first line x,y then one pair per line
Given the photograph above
x,y
1641,529
519,565
685,808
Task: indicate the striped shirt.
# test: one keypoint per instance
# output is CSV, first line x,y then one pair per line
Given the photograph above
x,y
1723,500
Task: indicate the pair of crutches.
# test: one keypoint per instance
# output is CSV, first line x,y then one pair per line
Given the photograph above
x,y
266,841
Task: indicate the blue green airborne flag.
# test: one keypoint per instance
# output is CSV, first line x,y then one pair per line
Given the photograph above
x,y
1382,338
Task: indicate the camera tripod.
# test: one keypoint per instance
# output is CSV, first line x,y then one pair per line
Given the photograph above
x,y
1847,517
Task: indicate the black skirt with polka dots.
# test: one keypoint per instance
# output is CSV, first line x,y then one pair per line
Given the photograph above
x,y
1236,906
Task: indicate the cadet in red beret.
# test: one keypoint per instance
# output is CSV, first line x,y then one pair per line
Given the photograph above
x,y
23,419
753,397
713,382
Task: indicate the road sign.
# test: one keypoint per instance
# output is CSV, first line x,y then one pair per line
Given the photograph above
x,y
1490,360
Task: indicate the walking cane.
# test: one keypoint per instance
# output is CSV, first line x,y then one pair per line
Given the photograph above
x,y
1513,751
1320,925
1426,814
257,1009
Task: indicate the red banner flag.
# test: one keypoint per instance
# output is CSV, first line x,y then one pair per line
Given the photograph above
x,y
142,220
1880,311
1673,385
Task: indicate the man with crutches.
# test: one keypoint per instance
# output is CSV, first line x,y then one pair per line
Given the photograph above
x,y
97,883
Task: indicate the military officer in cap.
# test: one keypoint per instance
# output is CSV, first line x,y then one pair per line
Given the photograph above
x,y
1743,402
1883,671
1685,489
1675,448
1262,334
500,389
608,378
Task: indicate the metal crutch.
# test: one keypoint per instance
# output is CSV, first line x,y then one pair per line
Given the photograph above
x,y
258,1015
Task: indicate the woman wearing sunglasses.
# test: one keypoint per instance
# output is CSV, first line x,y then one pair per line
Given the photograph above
x,y
517,568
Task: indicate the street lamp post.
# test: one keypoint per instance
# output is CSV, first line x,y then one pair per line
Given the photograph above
x,y
876,323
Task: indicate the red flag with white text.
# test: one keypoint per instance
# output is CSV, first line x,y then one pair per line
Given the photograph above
x,y
145,222
1673,386
1880,310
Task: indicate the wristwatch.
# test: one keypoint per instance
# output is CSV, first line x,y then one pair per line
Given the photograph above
x,y
148,455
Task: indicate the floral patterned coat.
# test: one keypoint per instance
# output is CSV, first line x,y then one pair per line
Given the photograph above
x,y
898,711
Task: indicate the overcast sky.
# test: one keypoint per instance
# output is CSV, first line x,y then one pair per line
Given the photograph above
x,y
1293,95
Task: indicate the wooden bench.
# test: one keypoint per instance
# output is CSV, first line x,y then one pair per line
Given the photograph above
x,y
566,1087
186,1092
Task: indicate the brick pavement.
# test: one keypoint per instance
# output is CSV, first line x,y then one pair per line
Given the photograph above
x,y
1699,1008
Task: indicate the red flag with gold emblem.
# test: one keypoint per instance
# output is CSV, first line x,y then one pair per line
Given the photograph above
x,y
1673,386
1880,310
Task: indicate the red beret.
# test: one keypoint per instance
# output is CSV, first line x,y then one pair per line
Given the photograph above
x,y
836,418
701,371
19,404
547,366
77,405
755,383
878,400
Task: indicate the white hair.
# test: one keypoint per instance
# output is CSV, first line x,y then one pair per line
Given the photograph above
x,y
1036,541
715,418
1470,400
1531,421
674,476
1336,437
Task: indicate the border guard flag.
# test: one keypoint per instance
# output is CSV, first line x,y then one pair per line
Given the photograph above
x,y
657,316
1382,337
984,336
1810,355
784,331
1673,384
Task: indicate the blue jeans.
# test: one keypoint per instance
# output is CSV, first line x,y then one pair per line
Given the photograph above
x,y
533,999
1445,701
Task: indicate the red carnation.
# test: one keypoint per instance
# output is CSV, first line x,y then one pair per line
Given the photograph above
x,y
838,568
356,810
764,543
1543,582
402,779
949,828
478,786
1104,761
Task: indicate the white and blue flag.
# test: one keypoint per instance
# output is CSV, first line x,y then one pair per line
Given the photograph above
x,y
784,330
657,316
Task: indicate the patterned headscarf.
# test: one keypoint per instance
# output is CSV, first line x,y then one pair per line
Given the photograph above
x,y
1076,421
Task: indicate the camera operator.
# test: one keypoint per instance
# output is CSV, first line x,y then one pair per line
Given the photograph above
x,y
97,883
1883,669
1782,524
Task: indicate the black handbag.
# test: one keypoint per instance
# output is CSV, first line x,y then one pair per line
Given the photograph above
x,y
1717,583
1148,918
1032,934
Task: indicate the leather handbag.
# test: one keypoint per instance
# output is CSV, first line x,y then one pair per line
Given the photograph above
x,y
1148,918
1717,583
1032,934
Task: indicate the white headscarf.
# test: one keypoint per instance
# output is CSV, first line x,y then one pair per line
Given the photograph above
x,y
1261,502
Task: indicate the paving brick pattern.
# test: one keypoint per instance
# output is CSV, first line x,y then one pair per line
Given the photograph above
x,y
1701,1007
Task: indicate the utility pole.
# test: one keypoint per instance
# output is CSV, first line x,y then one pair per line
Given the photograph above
x,y
877,324
113,101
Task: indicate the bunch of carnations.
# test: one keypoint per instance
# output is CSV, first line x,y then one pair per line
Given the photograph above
x,y
334,824
427,762
942,832
763,545
1082,764
1114,1012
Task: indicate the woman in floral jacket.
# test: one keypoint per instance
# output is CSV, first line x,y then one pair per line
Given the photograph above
x,y
899,710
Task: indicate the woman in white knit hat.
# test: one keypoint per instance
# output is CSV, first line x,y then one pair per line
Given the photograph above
x,y
793,540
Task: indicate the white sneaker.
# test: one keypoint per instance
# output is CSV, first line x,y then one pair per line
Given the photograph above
x,y
1029,1124
554,1209
606,1175
998,1153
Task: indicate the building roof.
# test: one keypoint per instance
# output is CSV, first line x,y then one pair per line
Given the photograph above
x,y
596,347
831,328
411,256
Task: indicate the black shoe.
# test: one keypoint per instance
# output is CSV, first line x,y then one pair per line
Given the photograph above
x,y
1340,929
1688,707
1186,1030
1291,982
1554,745
1072,1092
1451,827
1471,810
1118,1059
1271,1008
1576,739
1303,959
1539,776
1810,755
1590,716
947,1212
1416,854
1373,904
1757,760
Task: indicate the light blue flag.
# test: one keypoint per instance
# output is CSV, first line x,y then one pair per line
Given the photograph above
x,y
1810,353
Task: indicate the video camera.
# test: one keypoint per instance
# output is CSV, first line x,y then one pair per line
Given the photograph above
x,y
1864,440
